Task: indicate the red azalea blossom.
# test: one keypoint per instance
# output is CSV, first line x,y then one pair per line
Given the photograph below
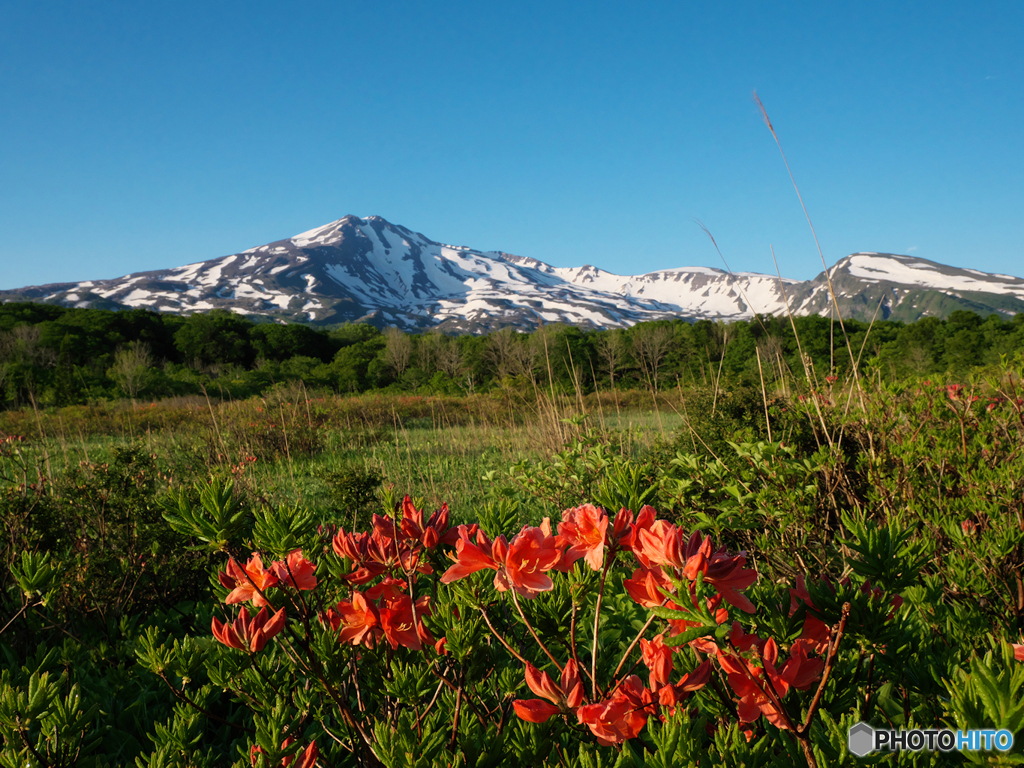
x,y
799,594
815,635
401,627
429,534
531,554
671,695
620,717
741,641
658,658
307,758
630,536
249,633
356,621
585,529
727,574
521,564
247,583
470,557
749,681
644,586
560,698
296,571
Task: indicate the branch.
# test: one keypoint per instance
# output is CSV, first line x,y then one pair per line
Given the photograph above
x,y
833,649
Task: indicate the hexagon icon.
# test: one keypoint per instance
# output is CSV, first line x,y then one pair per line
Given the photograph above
x,y
861,739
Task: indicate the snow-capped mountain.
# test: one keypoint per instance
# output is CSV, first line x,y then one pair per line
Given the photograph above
x,y
371,270
908,288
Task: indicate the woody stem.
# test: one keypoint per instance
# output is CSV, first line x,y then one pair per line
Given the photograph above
x,y
632,645
536,637
833,649
501,639
597,620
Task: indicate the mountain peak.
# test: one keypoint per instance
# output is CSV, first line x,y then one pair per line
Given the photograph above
x,y
369,270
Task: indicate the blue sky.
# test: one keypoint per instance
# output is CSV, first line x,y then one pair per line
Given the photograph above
x,y
138,136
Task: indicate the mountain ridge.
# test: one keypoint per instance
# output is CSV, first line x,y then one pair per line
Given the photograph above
x,y
370,270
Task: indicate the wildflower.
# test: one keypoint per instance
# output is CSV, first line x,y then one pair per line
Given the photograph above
x,y
401,626
747,681
532,553
249,583
800,671
670,695
1018,651
643,587
741,641
247,632
566,697
727,574
620,717
356,621
585,529
471,557
815,635
296,571
429,534
658,658
521,564
307,758
799,594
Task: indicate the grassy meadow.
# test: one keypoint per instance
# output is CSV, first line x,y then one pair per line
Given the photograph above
x,y
904,499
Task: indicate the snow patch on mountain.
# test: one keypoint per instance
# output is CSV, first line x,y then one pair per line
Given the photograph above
x,y
367,269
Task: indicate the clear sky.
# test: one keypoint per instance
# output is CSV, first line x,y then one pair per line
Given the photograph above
x,y
138,136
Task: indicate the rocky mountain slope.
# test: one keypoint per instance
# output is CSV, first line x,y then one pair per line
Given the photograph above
x,y
371,270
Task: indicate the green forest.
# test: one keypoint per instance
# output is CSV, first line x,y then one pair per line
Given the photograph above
x,y
52,356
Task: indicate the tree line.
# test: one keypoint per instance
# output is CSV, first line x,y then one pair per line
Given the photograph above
x,y
57,356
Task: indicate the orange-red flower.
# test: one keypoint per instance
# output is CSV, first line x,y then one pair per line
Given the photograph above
x,y
356,621
727,574
247,583
662,544
799,594
749,681
815,635
532,553
560,698
249,633
1018,651
399,626
296,571
432,532
585,529
670,695
800,671
658,658
620,717
628,531
521,565
643,587
307,758
471,557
